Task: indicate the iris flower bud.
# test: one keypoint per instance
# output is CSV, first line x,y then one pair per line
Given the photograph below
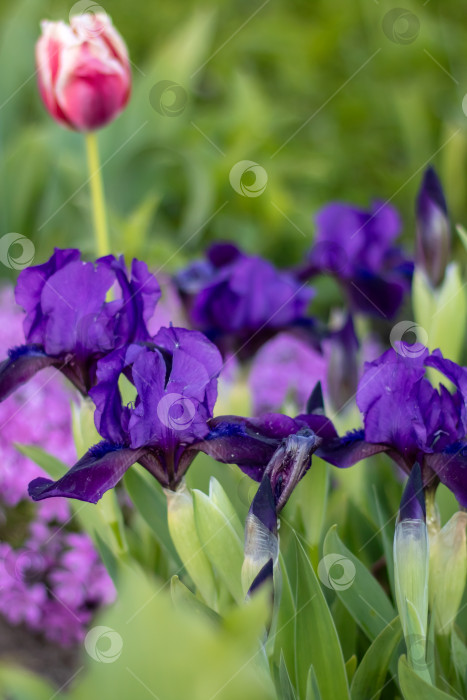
x,y
448,569
433,235
411,570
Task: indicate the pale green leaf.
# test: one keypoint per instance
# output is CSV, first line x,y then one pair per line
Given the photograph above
x,y
220,541
414,688
316,640
361,594
368,681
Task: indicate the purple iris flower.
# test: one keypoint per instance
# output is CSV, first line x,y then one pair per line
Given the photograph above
x,y
239,301
175,386
410,420
276,451
357,247
251,443
70,323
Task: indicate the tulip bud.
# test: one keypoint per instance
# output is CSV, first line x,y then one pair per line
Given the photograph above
x,y
448,570
433,235
286,467
83,70
411,570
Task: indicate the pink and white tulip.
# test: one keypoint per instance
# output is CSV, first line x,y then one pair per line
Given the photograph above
x,y
84,71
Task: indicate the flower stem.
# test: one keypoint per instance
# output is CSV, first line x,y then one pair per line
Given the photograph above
x,y
97,195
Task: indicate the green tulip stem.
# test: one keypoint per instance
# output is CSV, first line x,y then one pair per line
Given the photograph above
x,y
97,195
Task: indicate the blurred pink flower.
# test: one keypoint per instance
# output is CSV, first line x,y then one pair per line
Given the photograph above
x,y
55,581
37,414
84,71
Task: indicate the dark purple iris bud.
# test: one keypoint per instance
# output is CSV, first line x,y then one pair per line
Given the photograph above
x,y
175,389
433,230
413,505
287,466
239,301
70,322
411,420
357,248
342,375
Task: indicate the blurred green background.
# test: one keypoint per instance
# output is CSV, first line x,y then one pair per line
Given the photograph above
x,y
343,100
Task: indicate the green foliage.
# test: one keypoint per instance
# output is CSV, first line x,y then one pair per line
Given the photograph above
x,y
373,668
331,107
296,87
413,687
316,641
364,598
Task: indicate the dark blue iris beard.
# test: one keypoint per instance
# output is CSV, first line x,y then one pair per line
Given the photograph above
x,y
102,448
24,350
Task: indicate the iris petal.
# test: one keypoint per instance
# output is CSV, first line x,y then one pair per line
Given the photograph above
x,y
22,364
99,470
